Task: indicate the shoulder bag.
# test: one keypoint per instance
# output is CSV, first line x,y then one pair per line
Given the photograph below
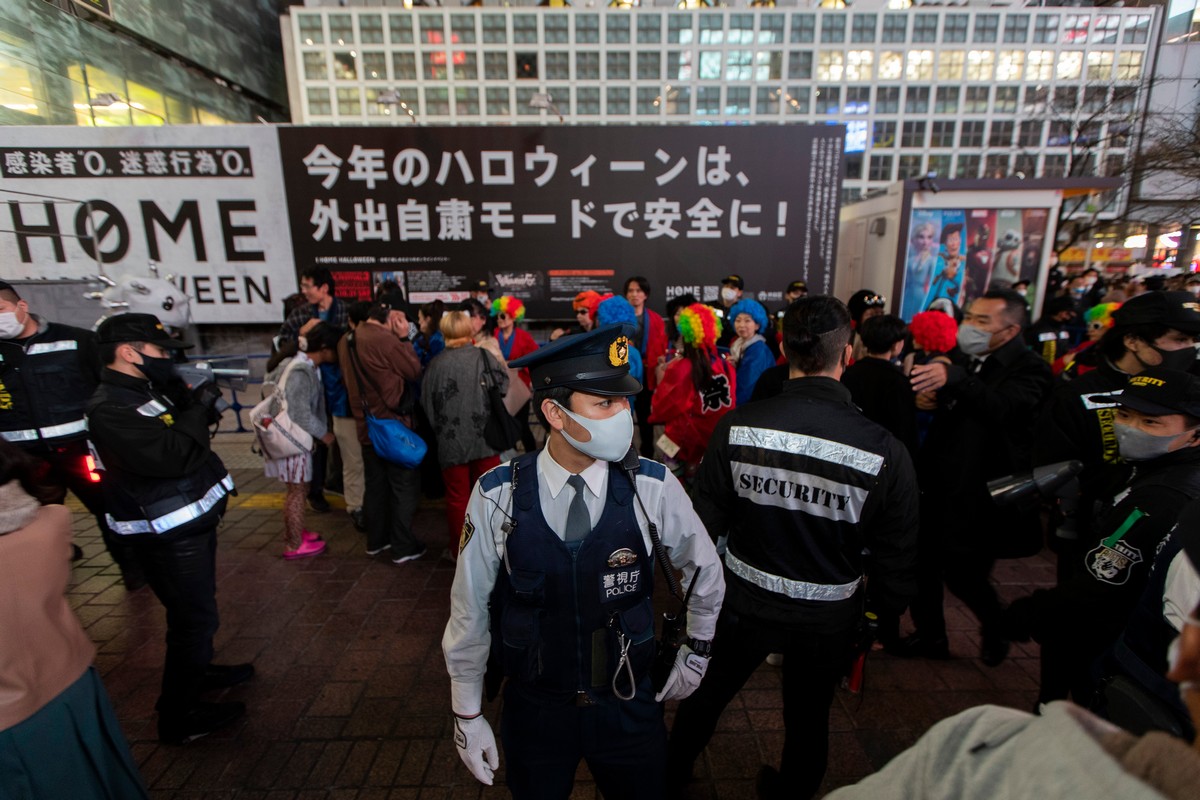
x,y
392,440
502,431
278,436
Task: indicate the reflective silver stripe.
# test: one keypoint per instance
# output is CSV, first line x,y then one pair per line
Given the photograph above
x,y
797,590
52,347
177,517
152,409
812,446
1092,404
52,432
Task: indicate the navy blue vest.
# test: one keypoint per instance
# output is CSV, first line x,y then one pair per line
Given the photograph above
x,y
565,608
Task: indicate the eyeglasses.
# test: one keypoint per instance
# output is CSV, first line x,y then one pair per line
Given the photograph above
x,y
579,311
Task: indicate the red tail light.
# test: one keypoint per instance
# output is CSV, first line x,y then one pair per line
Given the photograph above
x,y
89,464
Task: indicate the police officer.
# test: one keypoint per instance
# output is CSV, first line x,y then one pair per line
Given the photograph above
x,y
804,485
47,373
165,493
561,543
1157,427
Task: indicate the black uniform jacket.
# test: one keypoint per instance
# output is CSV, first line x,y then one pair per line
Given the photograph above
x,y
45,382
804,485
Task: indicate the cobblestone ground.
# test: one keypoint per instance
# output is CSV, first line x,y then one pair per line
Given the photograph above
x,y
351,699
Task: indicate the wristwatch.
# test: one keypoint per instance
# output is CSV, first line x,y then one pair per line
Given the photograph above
x,y
701,647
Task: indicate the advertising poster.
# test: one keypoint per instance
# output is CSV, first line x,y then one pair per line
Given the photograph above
x,y
955,255
205,204
543,213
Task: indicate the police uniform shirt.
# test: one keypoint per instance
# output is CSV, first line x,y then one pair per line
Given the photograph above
x,y
481,550
1182,591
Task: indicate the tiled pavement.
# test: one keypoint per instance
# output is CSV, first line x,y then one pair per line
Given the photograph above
x,y
351,699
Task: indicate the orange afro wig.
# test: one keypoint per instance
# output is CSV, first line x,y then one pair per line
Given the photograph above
x,y
587,300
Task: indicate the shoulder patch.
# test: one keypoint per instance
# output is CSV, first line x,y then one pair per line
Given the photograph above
x,y
495,477
468,530
652,469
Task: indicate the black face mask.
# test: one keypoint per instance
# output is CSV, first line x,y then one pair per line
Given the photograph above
x,y
1180,360
158,371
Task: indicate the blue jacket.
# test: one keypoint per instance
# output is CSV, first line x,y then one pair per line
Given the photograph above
x,y
754,362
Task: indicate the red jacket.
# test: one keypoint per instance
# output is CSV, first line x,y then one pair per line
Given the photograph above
x,y
679,406
522,345
653,345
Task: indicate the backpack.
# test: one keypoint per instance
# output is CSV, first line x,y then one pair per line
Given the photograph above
x,y
278,436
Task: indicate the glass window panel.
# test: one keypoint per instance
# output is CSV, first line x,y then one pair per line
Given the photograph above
x,y
891,65
996,166
858,100
315,68
741,30
829,100
971,133
708,100
987,27
954,28
1075,29
679,65
558,66
978,100
1066,99
710,65
587,28
616,31
681,29
1030,133
737,100
649,66
1036,100
833,28
312,29
946,100
803,28
980,64
1070,65
1016,28
863,29
950,65
967,167
495,66
1010,65
1024,165
919,65
649,101
345,66
433,65
925,28
649,28
437,102
318,102
466,101
942,132
1095,98
887,100
1006,99
712,30
853,163
768,65
374,66
525,29
370,28
770,29
1045,29
557,29
739,65
466,66
499,102
462,31
349,102
880,168
1137,29
1099,66
768,101
404,66
341,29
617,66
1001,134
617,100
916,99
1129,66
587,65
860,65
800,65
939,165
909,167
679,101
1105,29
830,65
1039,65
895,28
561,97
400,29
883,134
797,99
912,134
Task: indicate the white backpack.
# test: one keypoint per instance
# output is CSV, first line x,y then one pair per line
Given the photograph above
x,y
278,436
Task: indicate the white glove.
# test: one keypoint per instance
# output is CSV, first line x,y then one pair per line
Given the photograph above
x,y
686,673
477,747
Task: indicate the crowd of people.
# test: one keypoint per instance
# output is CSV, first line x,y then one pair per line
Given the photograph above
x,y
812,473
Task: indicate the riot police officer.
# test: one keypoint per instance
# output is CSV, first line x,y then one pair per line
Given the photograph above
x,y
566,539
165,493
47,373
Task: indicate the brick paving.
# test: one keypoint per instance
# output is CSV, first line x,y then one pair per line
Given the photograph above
x,y
351,700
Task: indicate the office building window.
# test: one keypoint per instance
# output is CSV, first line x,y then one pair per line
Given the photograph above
x,y
1105,29
737,100
853,166
649,28
880,168
312,30
1137,29
437,102
1045,29
617,101
967,167
341,28
950,65
495,66
587,28
1075,29
800,65
345,66
433,29
916,100
925,28
434,65
887,100
1016,28
374,66
912,134
946,100
315,68
987,27
771,29
910,167
1054,166
587,65
1039,65
862,30
977,100
939,165
404,66
1094,98
1006,99
1129,66
803,28
649,66
833,28
466,67
318,102
768,101
557,29
941,133
370,29
891,65
858,100
495,29
1066,99
883,134
466,101
400,29
1070,65
349,102
895,28
1030,134
996,166
587,101
649,101
829,99
1001,134
558,66
499,102
1036,99
1024,165
1010,65
616,29
681,28
954,28
712,29
830,65
708,101
617,67
971,133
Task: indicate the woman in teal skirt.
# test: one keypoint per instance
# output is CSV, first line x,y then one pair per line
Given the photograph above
x,y
59,737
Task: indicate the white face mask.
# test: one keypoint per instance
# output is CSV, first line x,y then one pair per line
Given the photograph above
x,y
10,326
729,295
610,437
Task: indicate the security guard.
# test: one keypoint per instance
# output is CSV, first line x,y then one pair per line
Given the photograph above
x,y
804,485
1155,329
165,492
47,373
1157,427
559,542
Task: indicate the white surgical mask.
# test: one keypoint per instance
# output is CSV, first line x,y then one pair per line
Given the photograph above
x,y
611,437
729,295
10,326
973,341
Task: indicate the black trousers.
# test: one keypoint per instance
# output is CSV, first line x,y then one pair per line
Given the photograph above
x,y
389,504
65,468
182,572
968,576
812,668
320,465
623,742
641,405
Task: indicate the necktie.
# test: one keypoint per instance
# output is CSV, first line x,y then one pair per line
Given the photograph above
x,y
976,365
579,522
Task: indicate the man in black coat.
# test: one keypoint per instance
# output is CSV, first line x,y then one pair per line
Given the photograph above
x,y
988,393
878,386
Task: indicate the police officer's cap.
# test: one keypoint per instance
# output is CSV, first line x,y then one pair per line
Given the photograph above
x,y
596,362
1176,310
137,328
1159,391
733,280
482,286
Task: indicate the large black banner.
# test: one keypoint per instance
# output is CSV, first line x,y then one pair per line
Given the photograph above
x,y
543,213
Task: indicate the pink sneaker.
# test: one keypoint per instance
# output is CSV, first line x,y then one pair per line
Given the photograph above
x,y
310,536
310,547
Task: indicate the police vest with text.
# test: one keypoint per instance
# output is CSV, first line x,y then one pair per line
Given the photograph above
x,y
137,504
567,611
45,386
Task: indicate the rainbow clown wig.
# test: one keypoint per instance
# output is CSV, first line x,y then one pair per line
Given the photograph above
x,y
508,305
1100,317
699,326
